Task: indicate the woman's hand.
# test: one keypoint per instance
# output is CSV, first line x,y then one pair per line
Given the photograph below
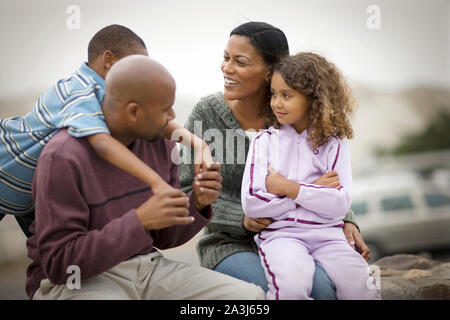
x,y
256,224
355,239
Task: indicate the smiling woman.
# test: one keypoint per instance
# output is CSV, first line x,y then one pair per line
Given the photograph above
x,y
227,244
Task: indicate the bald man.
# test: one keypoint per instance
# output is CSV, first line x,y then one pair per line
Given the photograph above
x,y
97,228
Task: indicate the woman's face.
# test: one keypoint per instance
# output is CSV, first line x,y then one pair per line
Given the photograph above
x,y
244,70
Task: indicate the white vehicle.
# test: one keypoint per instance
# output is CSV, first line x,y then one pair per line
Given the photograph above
x,y
402,213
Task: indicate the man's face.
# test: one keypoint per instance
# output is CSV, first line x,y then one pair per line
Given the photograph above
x,y
154,115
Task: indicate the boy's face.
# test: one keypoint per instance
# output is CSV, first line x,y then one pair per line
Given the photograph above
x,y
289,106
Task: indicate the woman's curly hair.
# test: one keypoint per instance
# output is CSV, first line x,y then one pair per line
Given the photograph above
x,y
330,98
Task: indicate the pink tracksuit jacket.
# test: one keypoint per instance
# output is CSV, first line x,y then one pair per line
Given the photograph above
x,y
311,231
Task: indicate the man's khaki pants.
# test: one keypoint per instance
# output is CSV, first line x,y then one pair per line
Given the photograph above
x,y
152,276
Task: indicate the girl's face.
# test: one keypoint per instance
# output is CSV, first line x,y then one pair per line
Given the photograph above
x,y
244,70
289,106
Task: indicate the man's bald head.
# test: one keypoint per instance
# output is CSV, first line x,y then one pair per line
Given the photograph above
x,y
139,94
139,79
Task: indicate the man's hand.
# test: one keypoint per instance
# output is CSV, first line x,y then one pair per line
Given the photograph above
x,y
207,186
161,186
164,209
355,239
256,224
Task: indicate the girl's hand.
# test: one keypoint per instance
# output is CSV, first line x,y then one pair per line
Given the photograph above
x,y
256,224
329,179
275,182
355,239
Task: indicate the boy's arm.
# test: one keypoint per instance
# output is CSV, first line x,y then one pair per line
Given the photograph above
x,y
202,153
120,156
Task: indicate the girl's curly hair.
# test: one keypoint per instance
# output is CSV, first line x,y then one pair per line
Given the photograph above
x,y
330,98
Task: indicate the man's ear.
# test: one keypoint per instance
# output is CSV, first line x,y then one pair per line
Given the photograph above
x,y
132,110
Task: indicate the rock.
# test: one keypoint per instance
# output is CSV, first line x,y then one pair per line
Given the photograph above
x,y
416,274
406,262
413,277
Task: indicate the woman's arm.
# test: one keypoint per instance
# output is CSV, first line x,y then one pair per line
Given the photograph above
x,y
120,156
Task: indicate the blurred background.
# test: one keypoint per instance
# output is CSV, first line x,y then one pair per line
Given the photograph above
x,y
395,54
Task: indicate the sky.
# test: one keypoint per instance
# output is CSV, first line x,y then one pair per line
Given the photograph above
x,y
410,47
384,45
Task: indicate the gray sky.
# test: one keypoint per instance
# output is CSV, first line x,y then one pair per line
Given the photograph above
x,y
411,47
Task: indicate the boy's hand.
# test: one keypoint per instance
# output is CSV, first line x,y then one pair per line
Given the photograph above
x,y
202,158
275,182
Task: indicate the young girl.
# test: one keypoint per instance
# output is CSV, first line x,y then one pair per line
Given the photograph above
x,y
311,105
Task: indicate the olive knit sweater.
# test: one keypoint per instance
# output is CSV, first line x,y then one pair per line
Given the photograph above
x,y
213,121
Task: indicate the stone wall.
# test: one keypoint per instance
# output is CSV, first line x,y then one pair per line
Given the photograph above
x,y
413,277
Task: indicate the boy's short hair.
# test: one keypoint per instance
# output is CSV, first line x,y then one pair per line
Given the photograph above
x,y
116,38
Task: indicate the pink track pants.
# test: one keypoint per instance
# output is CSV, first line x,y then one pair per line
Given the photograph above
x,y
288,255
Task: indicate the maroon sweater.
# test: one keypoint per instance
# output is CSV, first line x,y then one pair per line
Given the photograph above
x,y
85,210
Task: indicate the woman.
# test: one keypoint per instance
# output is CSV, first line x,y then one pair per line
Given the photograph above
x,y
227,244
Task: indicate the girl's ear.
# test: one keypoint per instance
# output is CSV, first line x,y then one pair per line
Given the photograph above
x,y
131,111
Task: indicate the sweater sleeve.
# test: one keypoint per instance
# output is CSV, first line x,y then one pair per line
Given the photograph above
x,y
330,202
256,201
62,226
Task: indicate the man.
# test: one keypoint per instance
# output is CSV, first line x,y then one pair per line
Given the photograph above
x,y
93,216
74,103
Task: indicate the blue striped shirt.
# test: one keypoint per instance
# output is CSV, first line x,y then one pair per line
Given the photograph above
x,y
74,102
